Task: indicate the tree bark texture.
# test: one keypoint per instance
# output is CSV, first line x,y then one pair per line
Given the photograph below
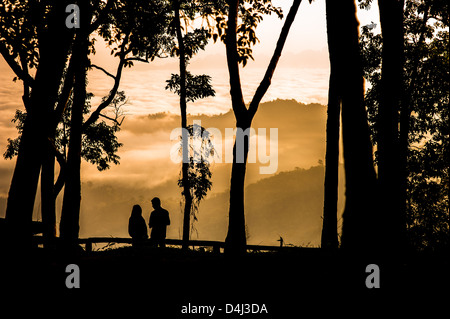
x,y
389,161
70,215
359,220
32,149
329,238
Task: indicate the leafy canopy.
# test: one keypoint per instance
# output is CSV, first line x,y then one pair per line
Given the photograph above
x,y
426,95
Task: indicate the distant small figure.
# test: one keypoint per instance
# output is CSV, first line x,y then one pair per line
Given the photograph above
x,y
159,220
136,226
281,240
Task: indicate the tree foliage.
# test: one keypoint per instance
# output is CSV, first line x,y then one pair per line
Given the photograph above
x,y
138,29
19,24
201,149
250,14
99,144
197,86
426,83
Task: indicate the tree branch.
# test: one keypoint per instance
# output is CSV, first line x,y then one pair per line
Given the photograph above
x,y
26,87
119,123
62,169
102,69
95,115
136,59
237,99
266,81
65,93
123,52
21,74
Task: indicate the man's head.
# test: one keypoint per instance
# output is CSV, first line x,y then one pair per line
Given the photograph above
x,y
156,202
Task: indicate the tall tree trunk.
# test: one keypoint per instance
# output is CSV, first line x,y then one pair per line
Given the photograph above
x,y
48,198
32,150
70,215
360,222
187,205
22,192
235,242
389,169
185,137
329,229
49,188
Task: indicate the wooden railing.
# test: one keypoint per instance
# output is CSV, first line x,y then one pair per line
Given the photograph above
x,y
216,246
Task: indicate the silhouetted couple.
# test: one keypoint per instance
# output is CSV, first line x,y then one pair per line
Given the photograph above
x,y
158,222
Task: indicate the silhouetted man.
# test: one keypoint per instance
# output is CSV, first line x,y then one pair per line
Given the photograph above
x,y
159,220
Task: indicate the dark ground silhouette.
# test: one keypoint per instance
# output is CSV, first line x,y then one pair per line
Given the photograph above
x,y
163,280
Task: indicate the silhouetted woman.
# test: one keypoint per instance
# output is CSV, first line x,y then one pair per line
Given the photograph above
x,y
136,226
